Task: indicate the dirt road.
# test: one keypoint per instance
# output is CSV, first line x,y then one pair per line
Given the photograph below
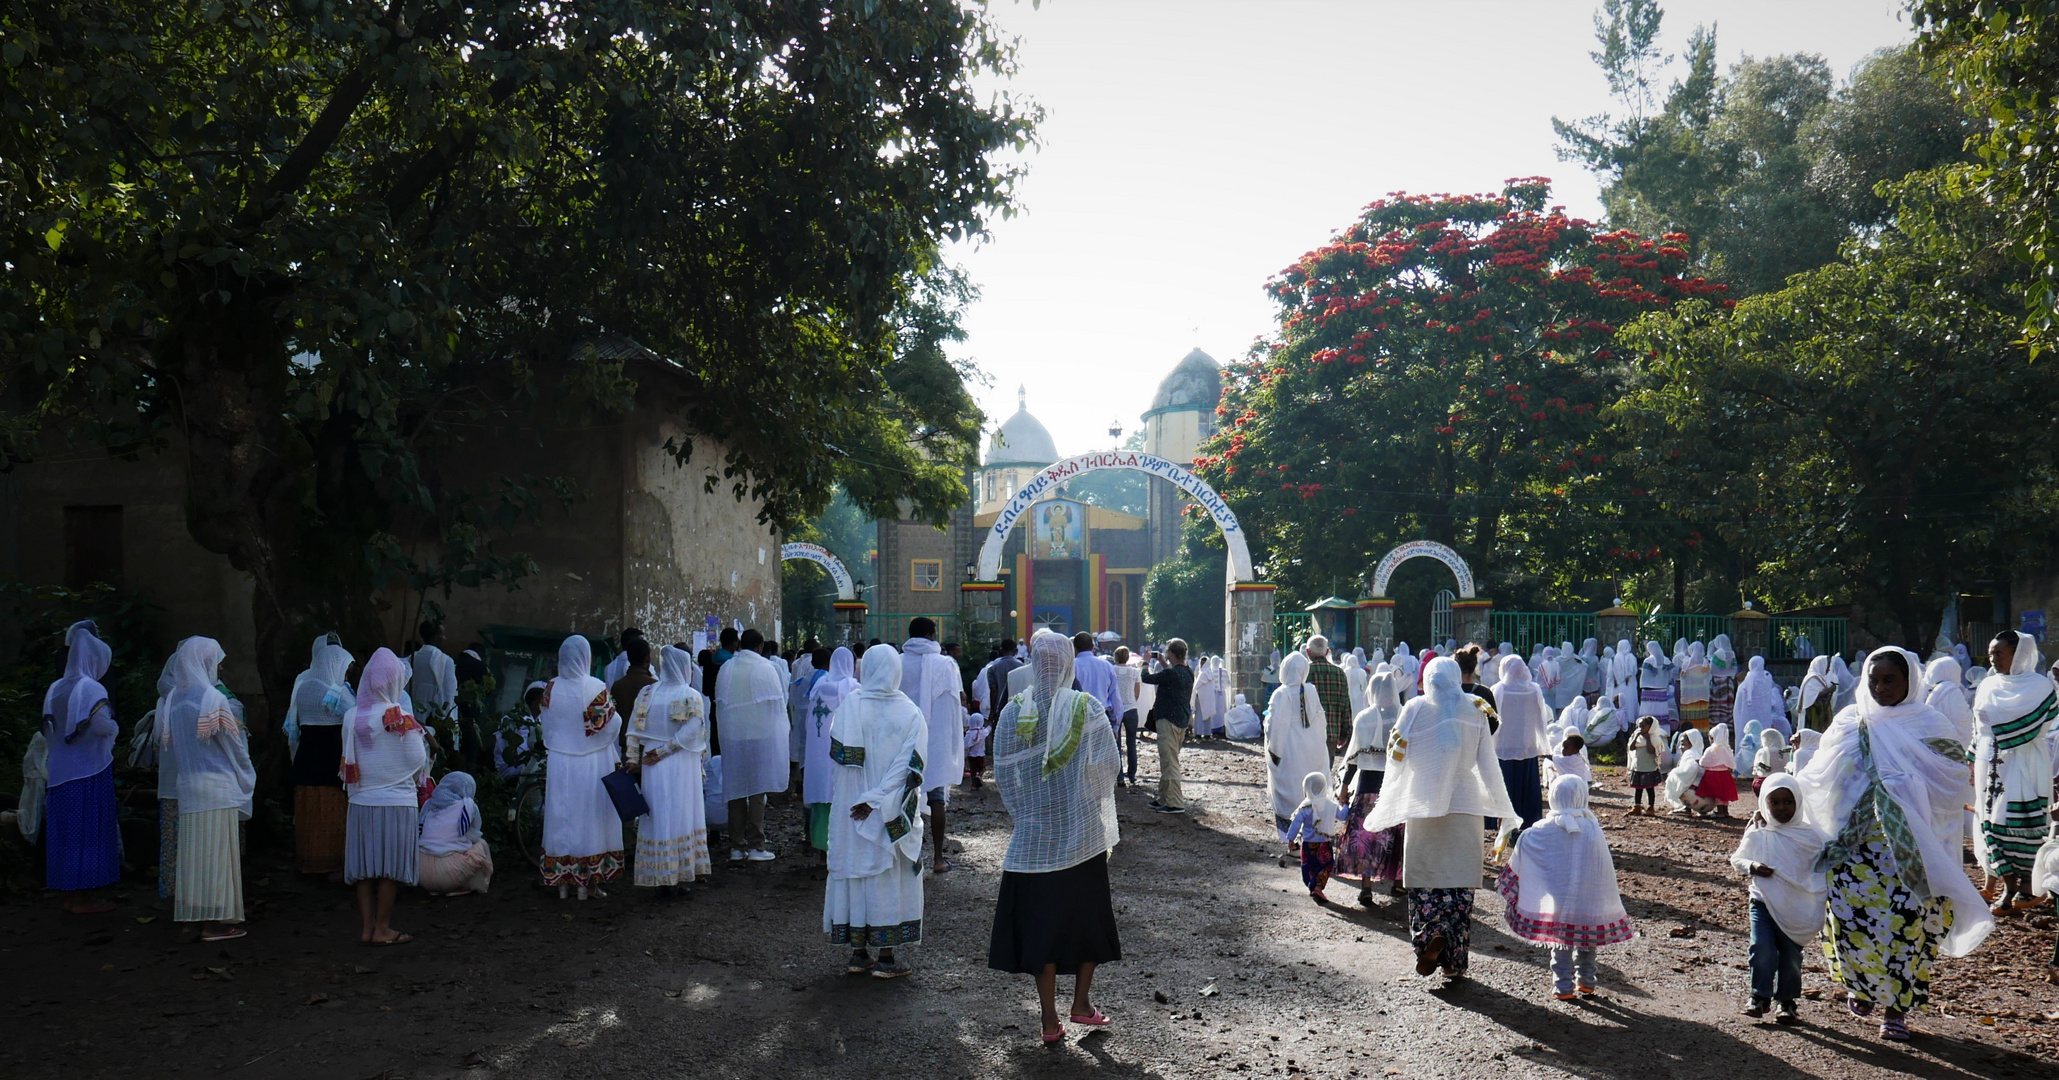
x,y
1229,969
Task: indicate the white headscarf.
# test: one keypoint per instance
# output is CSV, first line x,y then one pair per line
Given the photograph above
x,y
1441,759
1794,894
1297,693
1892,754
1947,695
578,715
1719,755
385,753
203,735
670,714
454,796
830,690
1524,714
2005,696
1817,681
1560,886
1808,740
1056,771
1758,698
1321,807
321,697
1626,661
81,727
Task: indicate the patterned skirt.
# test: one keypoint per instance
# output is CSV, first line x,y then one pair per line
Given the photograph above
x,y
1446,912
1318,857
319,814
1722,698
878,912
2010,846
1370,856
82,845
1880,940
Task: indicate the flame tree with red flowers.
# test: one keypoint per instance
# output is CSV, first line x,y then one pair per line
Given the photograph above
x,y
1439,371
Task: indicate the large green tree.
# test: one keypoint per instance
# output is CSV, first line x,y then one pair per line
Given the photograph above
x,y
1439,370
1770,166
1872,431
317,241
2002,58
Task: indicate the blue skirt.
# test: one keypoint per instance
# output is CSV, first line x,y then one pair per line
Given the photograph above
x,y
85,845
1524,778
381,842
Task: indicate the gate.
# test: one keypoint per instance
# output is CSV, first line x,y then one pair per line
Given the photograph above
x,y
1440,617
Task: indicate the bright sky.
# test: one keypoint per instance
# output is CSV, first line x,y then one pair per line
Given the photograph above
x,y
1192,148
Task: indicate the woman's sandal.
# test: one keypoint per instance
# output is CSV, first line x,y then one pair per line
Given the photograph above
x,y
1094,1020
1433,951
1893,1029
230,934
1856,1007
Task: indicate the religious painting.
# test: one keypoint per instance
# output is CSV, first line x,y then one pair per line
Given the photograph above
x,y
1057,529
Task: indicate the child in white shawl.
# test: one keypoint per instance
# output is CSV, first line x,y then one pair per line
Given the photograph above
x,y
1315,826
1560,889
1771,757
1679,795
1779,852
1570,759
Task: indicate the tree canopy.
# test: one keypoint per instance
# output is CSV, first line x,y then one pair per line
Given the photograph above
x,y
313,243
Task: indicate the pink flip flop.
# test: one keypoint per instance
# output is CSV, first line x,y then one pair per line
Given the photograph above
x,y
1096,1020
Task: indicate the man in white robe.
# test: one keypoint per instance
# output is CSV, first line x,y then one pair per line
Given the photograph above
x,y
930,679
751,725
433,685
874,894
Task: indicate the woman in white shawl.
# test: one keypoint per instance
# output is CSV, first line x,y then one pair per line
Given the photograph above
x,y
1722,680
1655,685
83,846
385,765
1846,683
1592,673
1818,690
205,737
817,770
582,834
1887,786
1241,721
1443,780
1758,698
1787,892
1355,676
1295,743
1944,691
1559,889
314,722
455,857
2012,762
1678,796
1371,856
1523,741
1055,763
874,895
668,738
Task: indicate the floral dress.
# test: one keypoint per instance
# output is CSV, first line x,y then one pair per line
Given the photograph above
x,y
1881,939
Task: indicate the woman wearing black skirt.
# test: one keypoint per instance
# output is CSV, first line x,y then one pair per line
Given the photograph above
x,y
1055,761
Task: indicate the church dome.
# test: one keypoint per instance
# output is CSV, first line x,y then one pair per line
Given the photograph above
x,y
1021,439
1196,384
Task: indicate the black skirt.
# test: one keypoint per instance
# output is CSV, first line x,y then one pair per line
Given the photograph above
x,y
319,761
1065,917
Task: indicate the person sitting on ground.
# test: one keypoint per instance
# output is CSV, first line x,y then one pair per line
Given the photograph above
x,y
1559,889
455,858
1779,852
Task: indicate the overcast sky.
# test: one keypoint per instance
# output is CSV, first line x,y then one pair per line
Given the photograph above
x,y
1191,148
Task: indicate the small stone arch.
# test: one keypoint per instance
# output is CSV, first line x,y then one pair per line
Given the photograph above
x,y
846,589
1423,549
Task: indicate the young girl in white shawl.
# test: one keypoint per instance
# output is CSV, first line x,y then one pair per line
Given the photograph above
x,y
874,896
1888,785
1295,740
1314,827
1779,853
668,738
1559,889
455,857
1679,795
1719,771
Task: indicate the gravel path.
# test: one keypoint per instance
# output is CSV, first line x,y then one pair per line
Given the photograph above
x,y
1229,969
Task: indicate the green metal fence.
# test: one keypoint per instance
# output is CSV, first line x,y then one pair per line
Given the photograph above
x,y
1667,629
1799,639
1290,630
1526,628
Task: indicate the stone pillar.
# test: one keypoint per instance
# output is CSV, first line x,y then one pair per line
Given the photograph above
x,y
1470,621
1749,631
850,617
1616,624
980,616
1375,624
1248,638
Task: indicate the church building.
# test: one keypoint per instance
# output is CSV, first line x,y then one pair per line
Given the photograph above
x,y
1069,564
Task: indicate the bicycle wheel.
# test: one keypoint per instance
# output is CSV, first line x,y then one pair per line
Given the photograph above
x,y
528,818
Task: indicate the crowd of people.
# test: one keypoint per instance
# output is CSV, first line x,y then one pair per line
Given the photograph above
x,y
1400,769
1875,789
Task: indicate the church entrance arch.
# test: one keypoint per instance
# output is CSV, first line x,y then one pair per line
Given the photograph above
x,y
1469,611
850,611
1248,605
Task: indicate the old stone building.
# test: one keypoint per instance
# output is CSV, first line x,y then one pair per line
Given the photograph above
x,y
645,545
